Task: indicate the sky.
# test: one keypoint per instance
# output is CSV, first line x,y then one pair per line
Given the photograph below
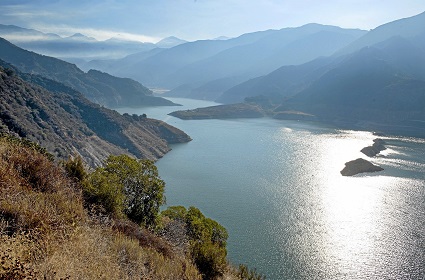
x,y
152,20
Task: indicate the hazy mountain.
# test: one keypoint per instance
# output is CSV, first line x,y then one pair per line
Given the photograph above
x,y
201,62
289,46
170,42
117,65
407,28
404,53
99,87
380,87
154,70
368,88
18,34
281,83
62,120
77,46
80,37
283,47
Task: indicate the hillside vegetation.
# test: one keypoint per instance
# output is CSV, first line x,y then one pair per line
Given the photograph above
x,y
54,223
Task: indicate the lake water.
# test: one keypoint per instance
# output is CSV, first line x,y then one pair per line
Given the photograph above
x,y
275,185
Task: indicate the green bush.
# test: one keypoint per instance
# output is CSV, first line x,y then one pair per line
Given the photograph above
x,y
244,273
209,258
207,240
103,189
75,169
125,185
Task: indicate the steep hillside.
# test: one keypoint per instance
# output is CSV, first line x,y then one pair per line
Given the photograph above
x,y
367,88
98,87
65,122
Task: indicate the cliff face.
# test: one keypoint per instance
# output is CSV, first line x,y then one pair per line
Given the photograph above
x,y
65,122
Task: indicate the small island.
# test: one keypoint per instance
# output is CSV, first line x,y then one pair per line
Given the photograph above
x,y
376,148
359,166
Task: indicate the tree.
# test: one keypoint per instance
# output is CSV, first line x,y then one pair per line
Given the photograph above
x,y
135,185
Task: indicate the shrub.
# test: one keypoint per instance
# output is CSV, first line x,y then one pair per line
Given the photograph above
x,y
207,240
127,186
75,169
245,273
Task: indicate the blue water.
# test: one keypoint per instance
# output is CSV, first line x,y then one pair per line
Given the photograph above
x,y
275,185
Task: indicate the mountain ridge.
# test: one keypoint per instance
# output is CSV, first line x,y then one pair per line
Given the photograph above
x,y
99,87
64,122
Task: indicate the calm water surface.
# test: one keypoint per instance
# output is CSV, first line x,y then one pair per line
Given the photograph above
x,y
275,185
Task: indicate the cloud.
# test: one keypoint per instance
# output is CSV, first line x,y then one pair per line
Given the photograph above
x,y
98,34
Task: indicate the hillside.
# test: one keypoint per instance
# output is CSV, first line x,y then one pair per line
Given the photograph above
x,y
99,87
65,122
64,222
47,233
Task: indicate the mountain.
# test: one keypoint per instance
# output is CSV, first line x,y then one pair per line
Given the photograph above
x,y
195,65
170,42
281,83
381,87
80,37
65,122
77,46
99,87
288,46
154,70
406,28
366,89
19,34
377,87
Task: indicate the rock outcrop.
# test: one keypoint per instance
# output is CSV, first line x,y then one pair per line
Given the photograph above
x,y
359,166
376,148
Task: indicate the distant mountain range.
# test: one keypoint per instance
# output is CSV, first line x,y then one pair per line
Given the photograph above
x,y
64,122
99,87
191,68
78,47
376,82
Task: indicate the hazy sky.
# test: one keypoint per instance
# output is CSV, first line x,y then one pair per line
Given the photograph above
x,y
151,20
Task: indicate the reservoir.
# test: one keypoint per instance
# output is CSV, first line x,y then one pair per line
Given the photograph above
x,y
276,186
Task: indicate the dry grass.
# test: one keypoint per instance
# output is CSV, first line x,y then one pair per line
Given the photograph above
x,y
45,233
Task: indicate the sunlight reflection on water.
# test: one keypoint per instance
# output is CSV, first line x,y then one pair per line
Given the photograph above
x,y
276,186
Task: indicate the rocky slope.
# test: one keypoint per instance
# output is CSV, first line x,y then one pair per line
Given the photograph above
x,y
66,123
